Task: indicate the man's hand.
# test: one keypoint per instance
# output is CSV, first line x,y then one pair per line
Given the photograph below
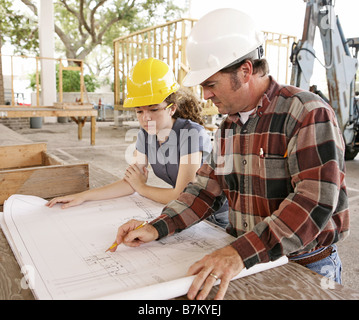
x,y
133,235
222,264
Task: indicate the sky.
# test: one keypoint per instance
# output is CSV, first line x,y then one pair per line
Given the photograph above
x,y
287,17
282,16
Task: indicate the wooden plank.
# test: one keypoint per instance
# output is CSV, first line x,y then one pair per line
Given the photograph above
x,y
72,68
10,275
50,112
288,282
50,159
44,112
20,156
45,182
93,131
82,82
73,105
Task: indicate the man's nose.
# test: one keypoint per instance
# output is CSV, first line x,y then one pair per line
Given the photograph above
x,y
207,94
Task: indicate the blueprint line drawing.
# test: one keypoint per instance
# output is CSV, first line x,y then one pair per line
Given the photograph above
x,y
67,247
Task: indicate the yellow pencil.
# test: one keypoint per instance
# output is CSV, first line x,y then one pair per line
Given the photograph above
x,y
141,225
116,244
113,246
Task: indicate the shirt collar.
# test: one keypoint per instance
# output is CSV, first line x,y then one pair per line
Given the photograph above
x,y
264,102
272,91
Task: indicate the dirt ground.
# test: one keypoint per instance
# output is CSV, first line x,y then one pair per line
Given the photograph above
x,y
109,154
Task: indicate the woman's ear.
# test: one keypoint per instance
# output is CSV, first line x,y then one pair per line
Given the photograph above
x,y
173,109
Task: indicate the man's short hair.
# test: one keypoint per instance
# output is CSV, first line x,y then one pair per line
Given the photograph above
x,y
259,65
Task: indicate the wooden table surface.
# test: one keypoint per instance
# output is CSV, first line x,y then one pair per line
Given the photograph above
x,y
78,115
287,282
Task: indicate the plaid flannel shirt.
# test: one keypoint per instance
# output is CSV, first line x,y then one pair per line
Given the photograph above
x,y
285,188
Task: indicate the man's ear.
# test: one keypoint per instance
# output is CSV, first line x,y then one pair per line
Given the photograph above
x,y
246,70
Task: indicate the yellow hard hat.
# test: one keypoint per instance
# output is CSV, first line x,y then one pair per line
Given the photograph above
x,y
149,82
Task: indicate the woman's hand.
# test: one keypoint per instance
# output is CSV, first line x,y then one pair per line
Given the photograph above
x,y
136,177
69,201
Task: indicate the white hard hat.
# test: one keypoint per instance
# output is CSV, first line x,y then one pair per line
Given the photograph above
x,y
217,40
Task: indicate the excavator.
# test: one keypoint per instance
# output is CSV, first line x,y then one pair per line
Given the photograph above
x,y
340,63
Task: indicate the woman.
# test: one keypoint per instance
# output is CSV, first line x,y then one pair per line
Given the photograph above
x,y
172,139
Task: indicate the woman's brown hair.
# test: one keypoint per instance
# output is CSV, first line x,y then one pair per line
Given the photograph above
x,y
188,105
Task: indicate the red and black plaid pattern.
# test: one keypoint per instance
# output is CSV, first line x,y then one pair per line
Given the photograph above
x,y
282,173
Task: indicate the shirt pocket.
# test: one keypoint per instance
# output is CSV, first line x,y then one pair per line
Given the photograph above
x,y
273,178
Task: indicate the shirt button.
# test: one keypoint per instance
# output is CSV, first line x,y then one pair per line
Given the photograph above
x,y
244,162
245,224
244,131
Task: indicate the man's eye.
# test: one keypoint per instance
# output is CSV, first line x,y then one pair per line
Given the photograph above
x,y
208,85
139,111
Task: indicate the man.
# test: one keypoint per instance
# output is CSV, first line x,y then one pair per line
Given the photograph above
x,y
285,187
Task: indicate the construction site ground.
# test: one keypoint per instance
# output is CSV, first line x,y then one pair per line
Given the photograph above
x,y
109,157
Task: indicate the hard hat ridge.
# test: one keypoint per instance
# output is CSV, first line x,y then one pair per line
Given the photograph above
x,y
255,54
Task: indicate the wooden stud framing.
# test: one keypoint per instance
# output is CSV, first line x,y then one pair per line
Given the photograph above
x,y
162,42
167,42
38,85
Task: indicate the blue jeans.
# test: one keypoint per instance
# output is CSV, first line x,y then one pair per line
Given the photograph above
x,y
330,267
220,219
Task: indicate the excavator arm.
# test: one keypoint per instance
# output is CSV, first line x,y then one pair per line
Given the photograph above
x,y
340,55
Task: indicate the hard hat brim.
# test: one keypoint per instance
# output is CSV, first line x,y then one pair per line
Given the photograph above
x,y
133,102
194,78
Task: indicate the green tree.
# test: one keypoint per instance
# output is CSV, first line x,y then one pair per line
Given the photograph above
x,y
19,30
81,25
70,81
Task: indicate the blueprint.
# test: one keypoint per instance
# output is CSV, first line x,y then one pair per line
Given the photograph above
x,y
65,248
